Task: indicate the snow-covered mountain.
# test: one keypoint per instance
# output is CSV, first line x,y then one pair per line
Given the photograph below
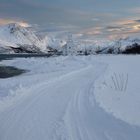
x,y
127,45
14,36
55,43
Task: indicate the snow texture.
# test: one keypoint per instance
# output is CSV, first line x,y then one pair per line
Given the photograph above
x,y
71,98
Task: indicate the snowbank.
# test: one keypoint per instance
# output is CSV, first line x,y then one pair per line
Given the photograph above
x,y
117,91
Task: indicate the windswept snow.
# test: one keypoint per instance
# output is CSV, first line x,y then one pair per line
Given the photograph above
x,y
70,98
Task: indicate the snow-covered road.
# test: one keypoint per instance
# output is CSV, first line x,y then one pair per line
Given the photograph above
x,y
64,108
37,116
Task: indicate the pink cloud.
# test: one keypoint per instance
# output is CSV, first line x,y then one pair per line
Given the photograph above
x,y
8,21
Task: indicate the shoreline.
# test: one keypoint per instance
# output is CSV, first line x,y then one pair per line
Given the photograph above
x,y
10,56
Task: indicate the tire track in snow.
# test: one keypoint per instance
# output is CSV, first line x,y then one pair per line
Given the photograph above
x,y
46,116
35,118
85,120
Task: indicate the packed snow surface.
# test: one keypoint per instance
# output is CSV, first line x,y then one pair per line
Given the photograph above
x,y
71,98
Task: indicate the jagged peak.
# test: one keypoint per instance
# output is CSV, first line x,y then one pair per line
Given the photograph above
x,y
14,27
19,24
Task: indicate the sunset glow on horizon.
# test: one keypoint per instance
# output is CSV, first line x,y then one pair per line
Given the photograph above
x,y
94,18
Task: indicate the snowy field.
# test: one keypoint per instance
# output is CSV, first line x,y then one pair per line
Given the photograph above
x,y
72,98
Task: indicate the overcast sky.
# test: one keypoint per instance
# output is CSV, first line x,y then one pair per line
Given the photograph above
x,y
92,17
